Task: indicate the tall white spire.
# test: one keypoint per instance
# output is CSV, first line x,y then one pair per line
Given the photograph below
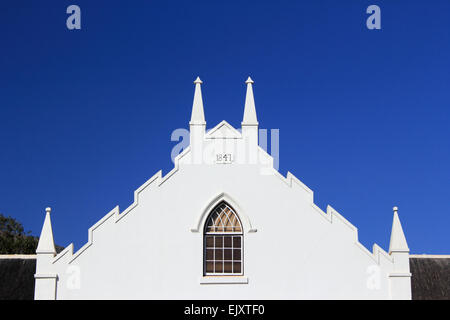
x,y
197,125
398,240
198,115
46,244
249,109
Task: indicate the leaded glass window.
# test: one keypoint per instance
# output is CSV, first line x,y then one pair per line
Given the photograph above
x,y
223,242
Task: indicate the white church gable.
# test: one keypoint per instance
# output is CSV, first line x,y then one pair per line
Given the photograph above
x,y
223,130
223,224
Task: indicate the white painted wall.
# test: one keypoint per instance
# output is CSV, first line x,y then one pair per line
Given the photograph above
x,y
292,249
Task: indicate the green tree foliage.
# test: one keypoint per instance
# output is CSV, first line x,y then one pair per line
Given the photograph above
x,y
13,238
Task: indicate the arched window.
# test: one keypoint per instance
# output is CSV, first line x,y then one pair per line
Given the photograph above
x,y
223,242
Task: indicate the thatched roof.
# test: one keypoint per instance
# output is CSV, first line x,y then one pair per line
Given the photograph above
x,y
430,277
17,277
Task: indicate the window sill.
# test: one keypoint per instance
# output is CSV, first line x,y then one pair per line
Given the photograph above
x,y
223,279
45,276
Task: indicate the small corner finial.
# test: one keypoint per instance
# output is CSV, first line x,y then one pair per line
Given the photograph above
x,y
198,81
249,80
398,241
46,245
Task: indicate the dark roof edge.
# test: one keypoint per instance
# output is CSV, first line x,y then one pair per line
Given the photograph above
x,y
430,256
17,256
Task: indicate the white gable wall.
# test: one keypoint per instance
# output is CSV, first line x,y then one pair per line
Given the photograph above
x,y
153,253
292,249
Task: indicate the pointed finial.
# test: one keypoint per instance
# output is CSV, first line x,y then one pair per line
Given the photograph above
x,y
398,241
250,109
198,81
198,115
46,243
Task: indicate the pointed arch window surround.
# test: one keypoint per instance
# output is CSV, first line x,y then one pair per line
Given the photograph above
x,y
223,242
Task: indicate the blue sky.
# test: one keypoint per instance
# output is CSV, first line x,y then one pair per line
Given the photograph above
x,y
86,115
